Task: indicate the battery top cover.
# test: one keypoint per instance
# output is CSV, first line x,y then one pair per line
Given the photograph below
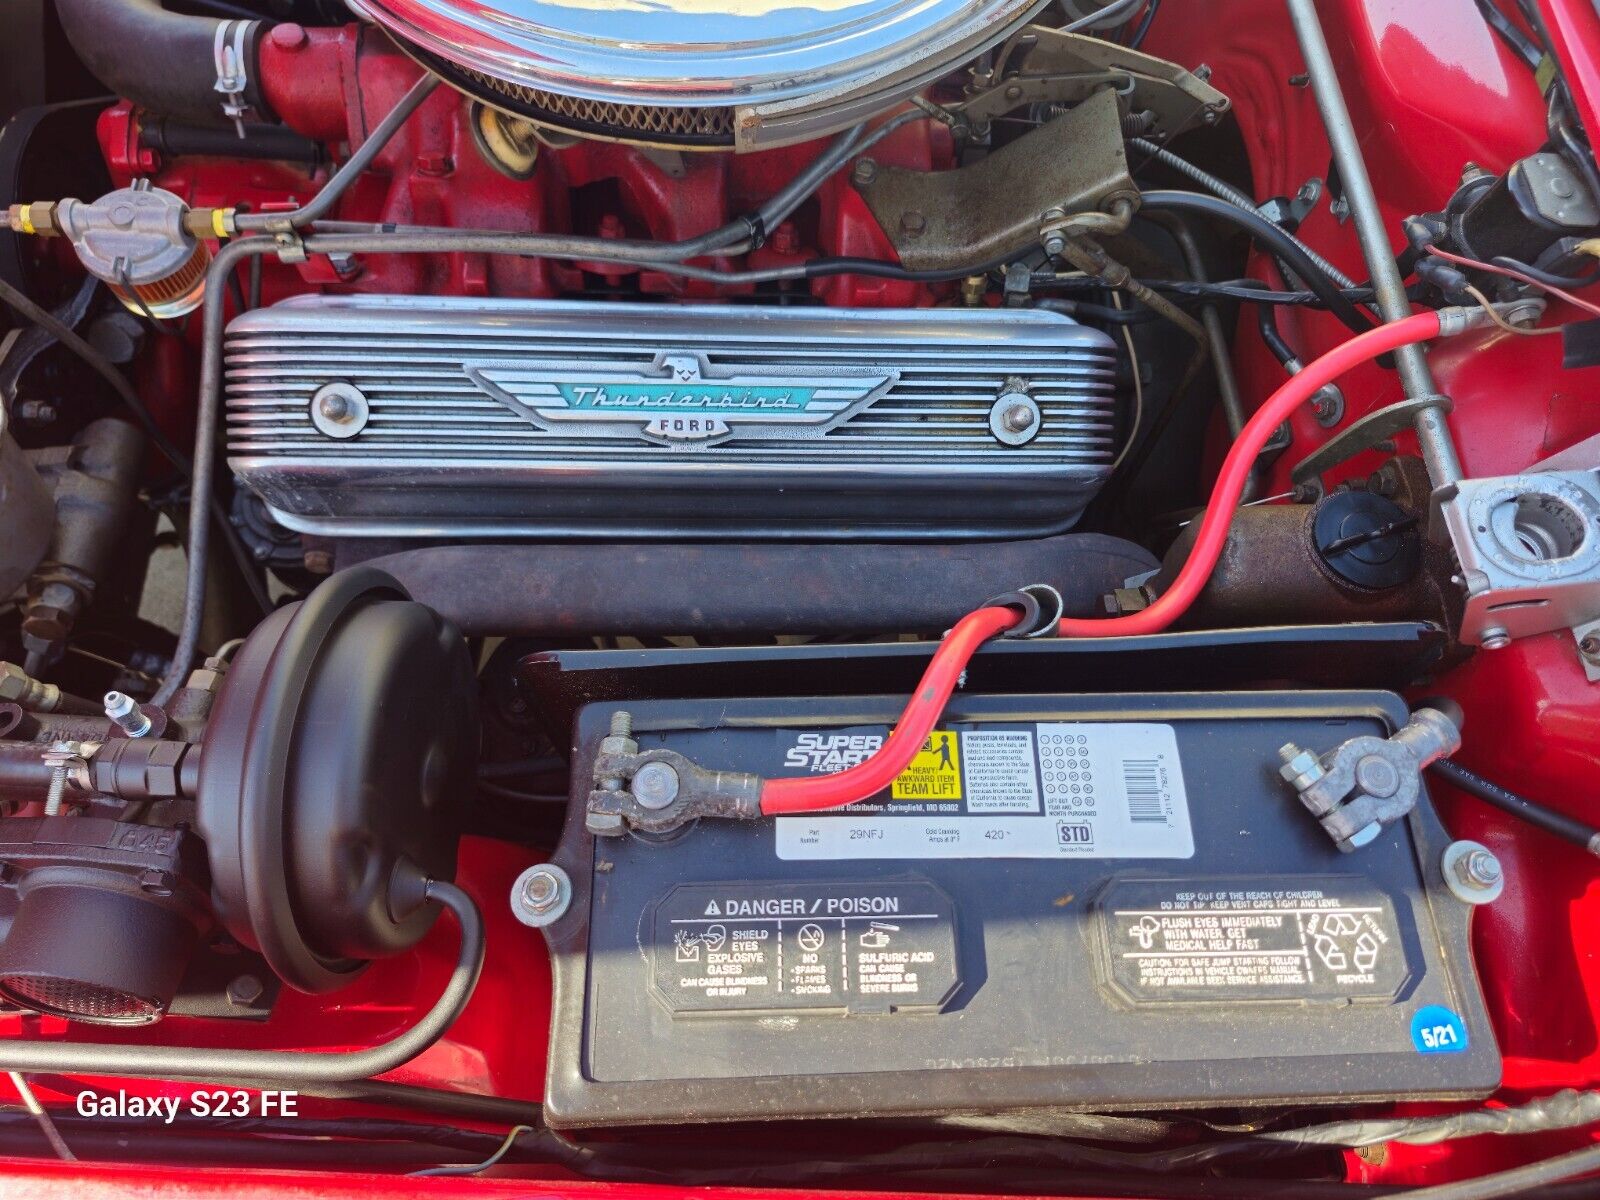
x,y
1085,902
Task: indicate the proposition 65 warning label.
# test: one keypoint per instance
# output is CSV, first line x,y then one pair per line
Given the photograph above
x,y
1038,790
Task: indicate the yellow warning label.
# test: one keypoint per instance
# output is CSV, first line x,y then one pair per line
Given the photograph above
x,y
935,773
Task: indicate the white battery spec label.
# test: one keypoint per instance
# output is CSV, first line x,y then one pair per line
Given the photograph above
x,y
1260,939
1046,790
755,947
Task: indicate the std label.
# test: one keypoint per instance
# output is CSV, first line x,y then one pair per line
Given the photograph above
x,y
1332,939
1046,790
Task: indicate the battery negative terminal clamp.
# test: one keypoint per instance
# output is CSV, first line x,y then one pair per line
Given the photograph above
x,y
1367,783
660,790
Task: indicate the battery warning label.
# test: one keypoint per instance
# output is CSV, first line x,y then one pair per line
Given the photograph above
x,y
881,947
1260,939
935,773
1045,790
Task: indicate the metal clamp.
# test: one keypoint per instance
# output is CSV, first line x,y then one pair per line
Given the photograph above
x,y
1367,783
229,53
659,791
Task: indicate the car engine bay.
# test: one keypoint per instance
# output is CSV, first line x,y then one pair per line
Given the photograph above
x,y
980,597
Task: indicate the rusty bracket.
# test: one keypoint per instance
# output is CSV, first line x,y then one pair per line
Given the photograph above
x,y
1369,433
1067,68
945,220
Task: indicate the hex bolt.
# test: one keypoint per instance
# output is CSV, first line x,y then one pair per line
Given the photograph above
x,y
1327,407
540,890
1377,776
1495,638
621,724
864,172
1472,872
540,895
1479,869
655,785
1018,417
245,990
59,759
913,224
1054,243
126,715
1301,768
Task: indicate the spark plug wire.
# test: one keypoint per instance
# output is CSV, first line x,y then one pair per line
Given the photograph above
x,y
816,793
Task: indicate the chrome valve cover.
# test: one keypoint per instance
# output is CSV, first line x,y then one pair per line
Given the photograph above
x,y
388,416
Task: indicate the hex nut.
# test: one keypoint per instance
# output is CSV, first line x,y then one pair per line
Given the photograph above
x,y
540,896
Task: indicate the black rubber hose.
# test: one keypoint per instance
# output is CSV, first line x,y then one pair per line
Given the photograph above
x,y
1548,819
1269,238
1549,278
283,1068
1267,323
272,143
759,588
162,61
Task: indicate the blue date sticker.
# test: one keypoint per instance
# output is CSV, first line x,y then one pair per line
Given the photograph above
x,y
1437,1030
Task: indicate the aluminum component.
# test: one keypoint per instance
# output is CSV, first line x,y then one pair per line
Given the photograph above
x,y
1529,550
124,712
94,482
996,206
1472,872
695,72
1015,417
498,417
1416,377
1367,783
340,410
540,895
135,239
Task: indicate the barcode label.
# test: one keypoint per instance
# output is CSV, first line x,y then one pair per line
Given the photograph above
x,y
1141,781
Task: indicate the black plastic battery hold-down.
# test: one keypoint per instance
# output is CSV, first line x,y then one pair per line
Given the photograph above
x,y
1091,902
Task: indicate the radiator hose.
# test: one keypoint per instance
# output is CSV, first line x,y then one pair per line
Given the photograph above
x,y
166,62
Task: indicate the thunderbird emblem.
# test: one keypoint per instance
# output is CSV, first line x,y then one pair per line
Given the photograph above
x,y
678,399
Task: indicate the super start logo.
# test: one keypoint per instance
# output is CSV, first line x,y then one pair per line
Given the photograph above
x,y
830,753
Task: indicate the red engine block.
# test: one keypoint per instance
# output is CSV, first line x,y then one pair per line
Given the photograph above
x,y
334,85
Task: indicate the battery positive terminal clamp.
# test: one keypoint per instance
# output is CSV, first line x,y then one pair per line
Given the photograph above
x,y
1368,783
660,790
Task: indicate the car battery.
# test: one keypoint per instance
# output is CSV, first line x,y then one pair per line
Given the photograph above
x,y
1080,902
